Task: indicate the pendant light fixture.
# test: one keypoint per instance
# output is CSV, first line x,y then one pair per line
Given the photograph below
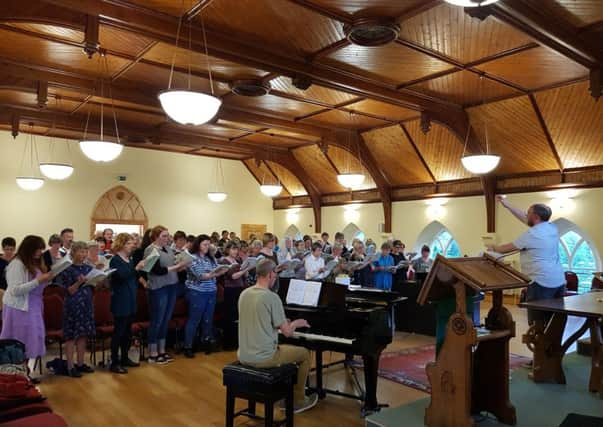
x,y
100,150
187,106
54,169
217,194
268,189
349,179
470,3
29,179
480,164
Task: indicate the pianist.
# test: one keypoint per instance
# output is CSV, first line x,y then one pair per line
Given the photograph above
x,y
261,315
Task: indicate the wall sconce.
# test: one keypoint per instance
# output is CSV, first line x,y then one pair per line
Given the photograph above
x,y
561,200
435,207
350,213
292,216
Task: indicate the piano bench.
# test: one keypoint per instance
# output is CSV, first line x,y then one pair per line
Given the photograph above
x,y
264,385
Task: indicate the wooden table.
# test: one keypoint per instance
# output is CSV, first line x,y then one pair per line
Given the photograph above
x,y
546,341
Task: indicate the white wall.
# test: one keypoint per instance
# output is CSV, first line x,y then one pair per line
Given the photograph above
x,y
465,217
172,188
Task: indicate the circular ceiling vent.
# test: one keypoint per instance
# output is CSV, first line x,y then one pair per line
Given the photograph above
x,y
250,87
371,32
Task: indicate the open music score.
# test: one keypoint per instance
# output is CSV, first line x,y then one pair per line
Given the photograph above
x,y
302,292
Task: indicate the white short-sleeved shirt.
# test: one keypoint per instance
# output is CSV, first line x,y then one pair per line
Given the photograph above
x,y
539,255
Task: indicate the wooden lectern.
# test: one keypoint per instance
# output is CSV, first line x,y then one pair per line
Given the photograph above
x,y
471,372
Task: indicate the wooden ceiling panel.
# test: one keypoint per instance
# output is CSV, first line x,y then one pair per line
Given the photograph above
x,y
392,63
515,134
219,131
165,147
370,8
578,12
315,92
171,7
463,88
238,125
10,96
135,117
383,109
62,33
281,24
33,50
126,42
159,77
339,118
163,53
274,105
575,121
396,156
317,166
535,68
294,135
263,175
264,139
441,150
288,179
449,30
345,162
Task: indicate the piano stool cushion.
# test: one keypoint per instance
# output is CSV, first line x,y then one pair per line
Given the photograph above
x,y
237,374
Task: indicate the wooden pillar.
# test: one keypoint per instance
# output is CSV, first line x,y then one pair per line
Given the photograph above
x,y
489,186
42,93
91,41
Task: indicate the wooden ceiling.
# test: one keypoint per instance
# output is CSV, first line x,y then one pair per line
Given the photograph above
x,y
398,112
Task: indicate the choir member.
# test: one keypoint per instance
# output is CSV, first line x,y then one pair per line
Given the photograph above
x,y
124,286
162,282
363,276
326,246
22,313
307,242
201,295
66,240
53,253
95,257
398,256
423,263
9,246
108,235
314,263
382,266
78,312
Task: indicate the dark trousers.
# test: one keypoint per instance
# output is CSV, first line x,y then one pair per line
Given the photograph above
x,y
201,307
231,315
538,292
122,327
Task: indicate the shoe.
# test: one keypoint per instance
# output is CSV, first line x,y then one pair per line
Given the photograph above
x,y
308,403
74,373
130,364
167,357
209,346
156,360
161,360
118,369
188,353
84,369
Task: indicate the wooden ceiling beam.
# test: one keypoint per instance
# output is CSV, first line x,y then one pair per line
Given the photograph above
x,y
534,20
546,132
342,17
418,153
278,178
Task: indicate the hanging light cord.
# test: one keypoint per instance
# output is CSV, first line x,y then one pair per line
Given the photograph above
x,y
176,48
211,82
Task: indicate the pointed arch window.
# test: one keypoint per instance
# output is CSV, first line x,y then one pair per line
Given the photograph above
x,y
443,243
577,255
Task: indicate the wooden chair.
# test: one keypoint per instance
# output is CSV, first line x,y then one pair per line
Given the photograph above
x,y
571,283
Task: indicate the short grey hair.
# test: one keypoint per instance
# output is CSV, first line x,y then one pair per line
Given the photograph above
x,y
264,267
256,244
543,211
76,246
337,246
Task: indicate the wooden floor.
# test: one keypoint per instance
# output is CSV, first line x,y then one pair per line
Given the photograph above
x,y
189,392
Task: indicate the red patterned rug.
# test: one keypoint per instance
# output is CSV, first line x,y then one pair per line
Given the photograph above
x,y
407,367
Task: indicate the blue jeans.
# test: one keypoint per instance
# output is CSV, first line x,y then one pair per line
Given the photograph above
x,y
161,307
537,292
201,307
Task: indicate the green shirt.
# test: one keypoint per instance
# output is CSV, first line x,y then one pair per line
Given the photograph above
x,y
260,314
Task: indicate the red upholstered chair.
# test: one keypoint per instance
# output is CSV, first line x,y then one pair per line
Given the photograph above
x,y
179,317
22,412
54,290
53,321
597,282
571,283
40,420
141,324
103,319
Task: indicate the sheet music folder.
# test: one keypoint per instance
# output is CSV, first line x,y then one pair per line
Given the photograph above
x,y
304,293
332,296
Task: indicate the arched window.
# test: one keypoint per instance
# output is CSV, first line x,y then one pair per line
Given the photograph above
x,y
293,232
443,243
577,254
439,240
351,232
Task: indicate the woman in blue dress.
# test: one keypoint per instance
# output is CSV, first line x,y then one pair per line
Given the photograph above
x,y
78,314
382,268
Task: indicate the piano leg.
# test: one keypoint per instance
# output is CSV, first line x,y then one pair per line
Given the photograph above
x,y
319,387
371,369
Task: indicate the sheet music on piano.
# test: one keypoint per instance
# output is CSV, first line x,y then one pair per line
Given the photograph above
x,y
302,292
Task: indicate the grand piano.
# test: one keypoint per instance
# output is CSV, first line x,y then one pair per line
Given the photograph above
x,y
350,321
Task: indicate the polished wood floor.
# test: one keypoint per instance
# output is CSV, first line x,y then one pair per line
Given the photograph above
x,y
189,392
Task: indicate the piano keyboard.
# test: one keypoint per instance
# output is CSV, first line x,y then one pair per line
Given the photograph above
x,y
327,338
